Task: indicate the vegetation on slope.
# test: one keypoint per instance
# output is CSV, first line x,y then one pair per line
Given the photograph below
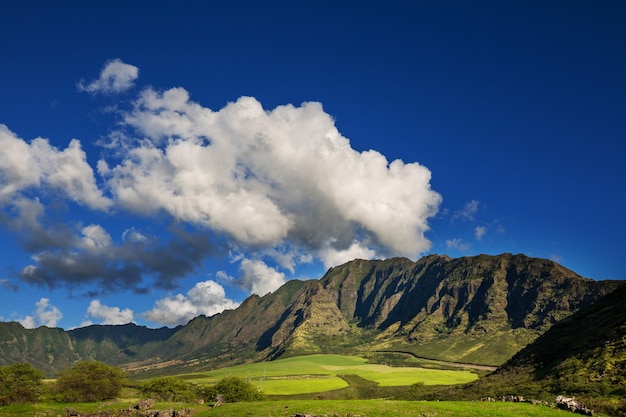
x,y
480,309
583,355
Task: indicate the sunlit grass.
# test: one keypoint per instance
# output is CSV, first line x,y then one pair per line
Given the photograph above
x,y
319,373
383,408
300,385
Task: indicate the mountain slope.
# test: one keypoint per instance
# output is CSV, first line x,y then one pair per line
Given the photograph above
x,y
583,355
480,309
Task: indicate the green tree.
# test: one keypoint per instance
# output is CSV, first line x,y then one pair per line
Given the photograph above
x,y
88,381
20,383
169,388
233,389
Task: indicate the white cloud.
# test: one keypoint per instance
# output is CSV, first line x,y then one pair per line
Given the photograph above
x,y
115,77
205,298
333,257
458,244
108,315
38,164
480,232
468,211
132,235
29,322
258,278
95,239
45,315
271,179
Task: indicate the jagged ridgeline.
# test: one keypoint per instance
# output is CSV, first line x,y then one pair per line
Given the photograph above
x,y
480,309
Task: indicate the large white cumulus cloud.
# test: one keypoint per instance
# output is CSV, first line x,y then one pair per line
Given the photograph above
x,y
269,177
279,188
38,164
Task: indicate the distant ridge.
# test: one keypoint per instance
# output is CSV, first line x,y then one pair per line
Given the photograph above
x,y
481,309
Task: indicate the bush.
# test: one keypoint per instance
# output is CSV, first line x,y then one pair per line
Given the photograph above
x,y
233,389
89,381
169,388
20,383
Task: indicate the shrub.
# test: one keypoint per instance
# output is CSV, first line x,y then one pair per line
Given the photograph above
x,y
20,383
233,389
169,388
89,381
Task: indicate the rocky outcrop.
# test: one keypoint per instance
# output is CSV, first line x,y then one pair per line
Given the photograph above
x,y
570,404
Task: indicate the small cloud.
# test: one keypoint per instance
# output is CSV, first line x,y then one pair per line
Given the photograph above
x,y
480,232
8,285
45,315
458,244
258,278
108,315
467,212
132,235
332,257
223,277
115,77
556,258
205,298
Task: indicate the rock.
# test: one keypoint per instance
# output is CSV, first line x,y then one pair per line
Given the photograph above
x,y
145,404
570,404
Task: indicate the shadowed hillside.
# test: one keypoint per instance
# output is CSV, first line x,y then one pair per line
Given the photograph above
x,y
584,355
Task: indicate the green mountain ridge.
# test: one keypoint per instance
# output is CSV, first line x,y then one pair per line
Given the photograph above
x,y
480,309
581,356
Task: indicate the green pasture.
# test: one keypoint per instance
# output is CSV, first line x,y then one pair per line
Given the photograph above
x,y
383,408
319,373
340,408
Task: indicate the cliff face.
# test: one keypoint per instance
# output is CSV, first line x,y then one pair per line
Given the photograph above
x,y
583,355
477,309
480,309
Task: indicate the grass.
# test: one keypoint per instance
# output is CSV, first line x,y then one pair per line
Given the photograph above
x,y
286,408
382,408
321,373
300,385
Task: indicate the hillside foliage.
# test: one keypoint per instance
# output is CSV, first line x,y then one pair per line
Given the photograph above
x,y
169,388
20,383
88,381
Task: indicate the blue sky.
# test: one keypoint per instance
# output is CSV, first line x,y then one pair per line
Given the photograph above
x,y
162,160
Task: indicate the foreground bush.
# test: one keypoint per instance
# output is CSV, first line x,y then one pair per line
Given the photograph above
x,y
20,383
169,388
232,389
89,381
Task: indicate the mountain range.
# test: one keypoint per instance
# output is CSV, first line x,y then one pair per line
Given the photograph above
x,y
482,309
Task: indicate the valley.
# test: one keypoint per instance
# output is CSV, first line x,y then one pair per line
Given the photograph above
x,y
436,329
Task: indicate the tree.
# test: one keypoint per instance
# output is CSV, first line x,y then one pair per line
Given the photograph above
x,y
20,383
88,381
233,389
169,388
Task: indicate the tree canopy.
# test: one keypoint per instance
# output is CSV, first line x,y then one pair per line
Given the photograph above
x,y
88,381
169,388
233,389
20,383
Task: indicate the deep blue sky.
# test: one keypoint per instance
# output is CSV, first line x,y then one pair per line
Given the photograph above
x,y
517,110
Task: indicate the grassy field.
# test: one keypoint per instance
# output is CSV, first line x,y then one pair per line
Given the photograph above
x,y
363,408
320,373
382,408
